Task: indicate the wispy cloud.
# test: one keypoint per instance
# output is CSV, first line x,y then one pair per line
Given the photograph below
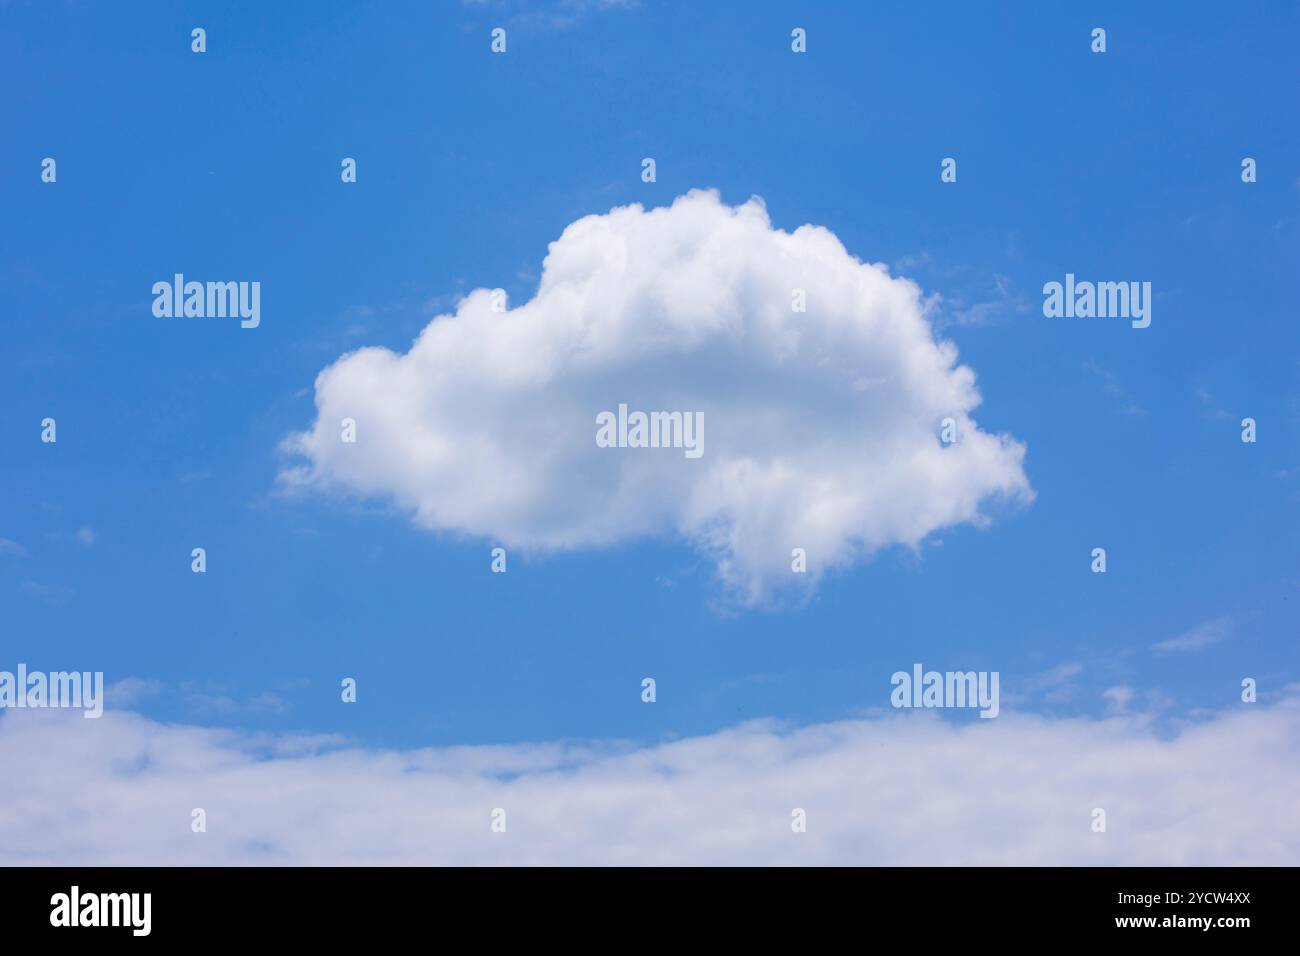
x,y
82,536
1111,387
214,700
1056,684
1202,636
1119,697
1210,406
130,691
554,14
12,548
1000,302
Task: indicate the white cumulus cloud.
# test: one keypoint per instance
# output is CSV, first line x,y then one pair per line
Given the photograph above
x,y
821,427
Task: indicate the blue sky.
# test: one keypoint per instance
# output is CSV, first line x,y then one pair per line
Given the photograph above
x,y
226,165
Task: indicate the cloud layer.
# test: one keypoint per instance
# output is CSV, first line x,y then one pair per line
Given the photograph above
x,y
821,427
896,789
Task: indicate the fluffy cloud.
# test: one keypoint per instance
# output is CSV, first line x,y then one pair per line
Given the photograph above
x,y
895,789
821,427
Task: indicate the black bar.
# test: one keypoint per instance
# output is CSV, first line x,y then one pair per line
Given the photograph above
x,y
631,908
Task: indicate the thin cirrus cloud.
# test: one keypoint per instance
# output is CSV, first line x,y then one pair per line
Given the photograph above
x,y
894,789
12,548
1198,638
821,427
